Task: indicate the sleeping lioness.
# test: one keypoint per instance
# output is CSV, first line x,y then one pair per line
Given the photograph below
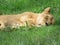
x,y
30,18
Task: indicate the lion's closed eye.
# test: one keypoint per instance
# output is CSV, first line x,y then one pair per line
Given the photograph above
x,y
51,19
39,24
46,17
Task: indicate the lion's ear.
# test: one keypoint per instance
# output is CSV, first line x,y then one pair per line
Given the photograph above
x,y
47,10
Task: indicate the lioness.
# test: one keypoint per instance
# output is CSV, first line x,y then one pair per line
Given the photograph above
x,y
30,18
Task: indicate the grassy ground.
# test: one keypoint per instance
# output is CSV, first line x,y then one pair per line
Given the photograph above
x,y
31,36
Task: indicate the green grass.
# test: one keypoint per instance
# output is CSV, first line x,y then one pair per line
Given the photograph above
x,y
48,35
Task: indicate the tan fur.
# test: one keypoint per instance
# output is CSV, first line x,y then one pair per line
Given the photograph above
x,y
33,19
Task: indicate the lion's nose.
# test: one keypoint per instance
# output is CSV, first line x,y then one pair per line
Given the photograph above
x,y
0,24
46,24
